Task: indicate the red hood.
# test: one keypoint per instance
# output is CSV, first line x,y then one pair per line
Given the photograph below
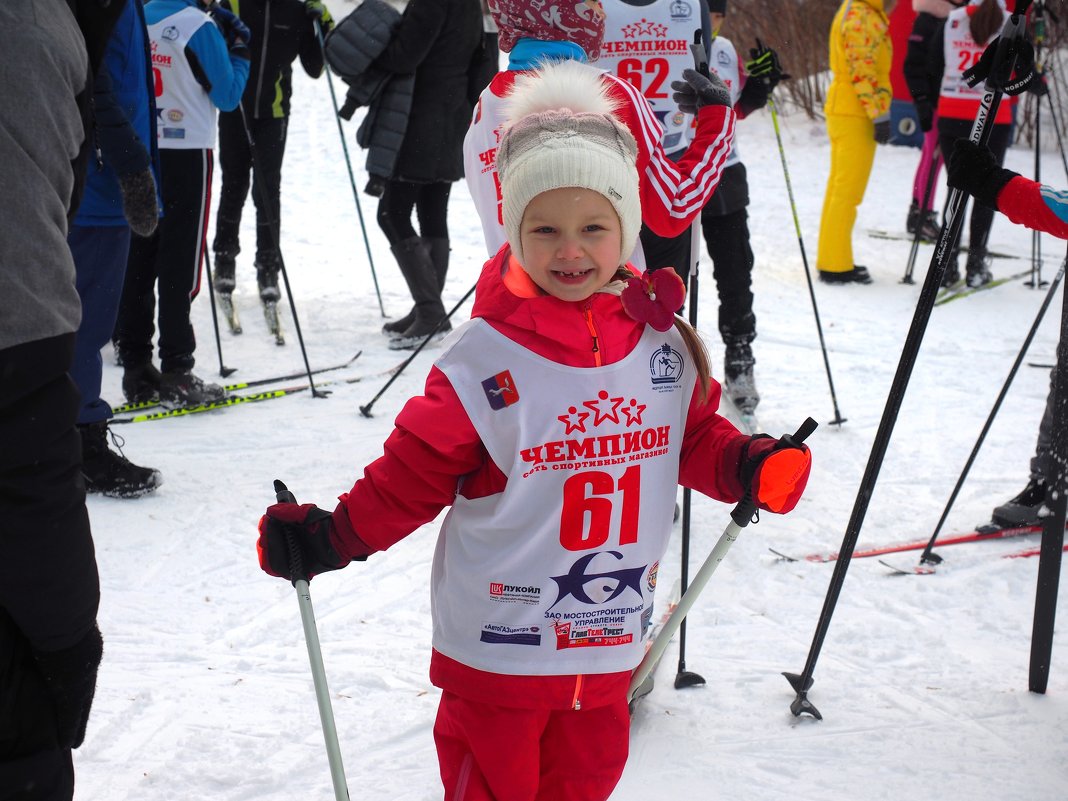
x,y
584,334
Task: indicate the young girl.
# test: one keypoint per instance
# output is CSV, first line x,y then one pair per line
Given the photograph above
x,y
557,425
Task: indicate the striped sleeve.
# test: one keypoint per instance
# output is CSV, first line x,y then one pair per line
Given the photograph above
x,y
673,193
1029,203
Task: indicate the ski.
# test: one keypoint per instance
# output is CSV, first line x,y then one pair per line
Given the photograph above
x,y
226,303
930,570
960,290
126,408
647,685
982,534
235,400
274,323
901,236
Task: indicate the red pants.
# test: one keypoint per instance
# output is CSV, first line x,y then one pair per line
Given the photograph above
x,y
497,753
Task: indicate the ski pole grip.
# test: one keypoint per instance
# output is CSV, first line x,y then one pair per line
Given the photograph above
x,y
296,557
697,50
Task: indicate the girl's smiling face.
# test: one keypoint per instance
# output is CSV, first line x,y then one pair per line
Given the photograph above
x,y
572,242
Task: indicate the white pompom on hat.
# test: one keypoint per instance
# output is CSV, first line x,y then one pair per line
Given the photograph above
x,y
561,132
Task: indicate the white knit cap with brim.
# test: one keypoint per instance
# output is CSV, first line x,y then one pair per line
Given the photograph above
x,y
574,142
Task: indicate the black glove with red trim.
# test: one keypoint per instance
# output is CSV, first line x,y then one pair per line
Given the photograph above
x,y
299,542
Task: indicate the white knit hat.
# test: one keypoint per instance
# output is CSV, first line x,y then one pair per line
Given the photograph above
x,y
562,132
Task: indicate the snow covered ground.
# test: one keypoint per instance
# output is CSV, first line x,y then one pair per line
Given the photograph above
x,y
205,691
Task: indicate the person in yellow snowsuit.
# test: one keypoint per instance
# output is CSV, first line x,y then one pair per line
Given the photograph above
x,y
858,117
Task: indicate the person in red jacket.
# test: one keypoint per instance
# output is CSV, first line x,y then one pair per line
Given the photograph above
x,y
672,192
557,425
976,170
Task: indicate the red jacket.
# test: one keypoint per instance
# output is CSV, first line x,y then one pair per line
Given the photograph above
x,y
1039,207
434,445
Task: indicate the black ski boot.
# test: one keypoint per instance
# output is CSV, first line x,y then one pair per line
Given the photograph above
x,y
976,271
109,473
267,267
140,383
180,388
738,362
925,221
1026,509
225,272
952,274
858,275
429,314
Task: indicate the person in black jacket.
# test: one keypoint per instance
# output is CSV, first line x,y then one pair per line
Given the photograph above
x,y
50,645
440,41
281,31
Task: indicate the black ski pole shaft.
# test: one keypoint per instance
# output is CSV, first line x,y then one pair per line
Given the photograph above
x,y
223,370
928,556
928,192
315,655
683,677
1049,559
348,163
274,225
980,133
838,419
1036,236
365,410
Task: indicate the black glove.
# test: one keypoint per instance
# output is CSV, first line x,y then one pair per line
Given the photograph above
x,y
924,113
764,64
70,675
698,91
882,131
975,170
310,529
139,203
234,31
317,9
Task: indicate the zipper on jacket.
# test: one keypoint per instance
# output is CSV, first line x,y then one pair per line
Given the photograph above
x,y
576,702
587,313
263,57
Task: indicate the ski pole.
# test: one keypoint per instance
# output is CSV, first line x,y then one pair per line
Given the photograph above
x,y
741,516
1051,549
315,656
838,419
348,162
936,164
683,677
1014,27
223,371
257,174
928,557
365,410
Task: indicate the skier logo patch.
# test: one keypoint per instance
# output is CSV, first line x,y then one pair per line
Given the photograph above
x,y
500,390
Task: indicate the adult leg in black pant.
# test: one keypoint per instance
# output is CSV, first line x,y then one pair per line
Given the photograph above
x,y
50,646
424,275
727,239
173,256
235,161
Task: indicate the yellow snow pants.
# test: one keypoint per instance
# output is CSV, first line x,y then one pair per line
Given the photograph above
x,y
852,154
